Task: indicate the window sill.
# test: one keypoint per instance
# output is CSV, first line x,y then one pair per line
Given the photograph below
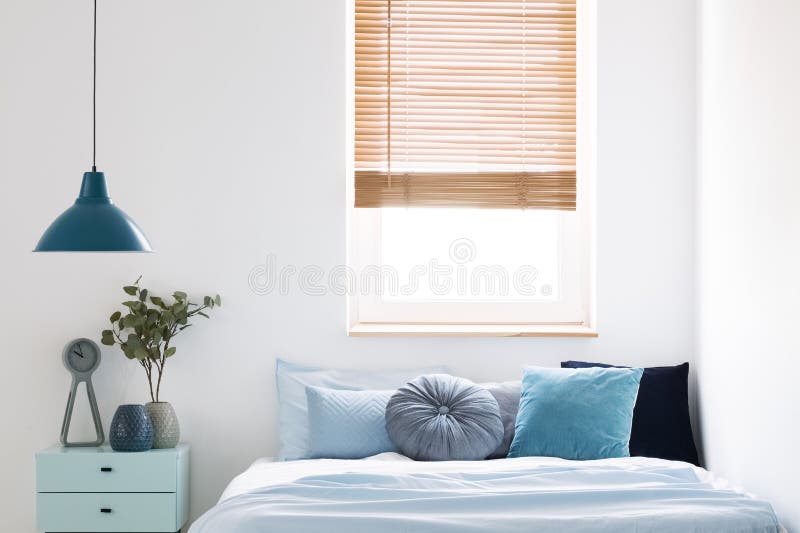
x,y
469,330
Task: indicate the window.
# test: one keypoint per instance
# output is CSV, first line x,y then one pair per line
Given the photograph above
x,y
471,182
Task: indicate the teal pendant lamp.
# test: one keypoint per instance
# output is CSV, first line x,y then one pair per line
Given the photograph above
x,y
93,223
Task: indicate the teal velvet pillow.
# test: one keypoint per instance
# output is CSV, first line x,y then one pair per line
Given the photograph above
x,y
582,413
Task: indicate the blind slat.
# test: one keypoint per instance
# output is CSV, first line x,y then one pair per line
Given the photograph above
x,y
465,103
491,190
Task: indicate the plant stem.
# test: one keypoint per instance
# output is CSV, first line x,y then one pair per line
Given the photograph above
x,y
163,362
195,311
148,370
160,373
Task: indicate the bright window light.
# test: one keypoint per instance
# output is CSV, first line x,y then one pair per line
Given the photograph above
x,y
471,254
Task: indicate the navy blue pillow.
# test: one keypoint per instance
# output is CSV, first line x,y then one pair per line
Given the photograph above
x,y
661,424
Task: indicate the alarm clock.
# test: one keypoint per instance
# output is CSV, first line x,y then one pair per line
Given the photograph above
x,y
82,357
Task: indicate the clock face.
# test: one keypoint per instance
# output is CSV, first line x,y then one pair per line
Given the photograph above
x,y
81,356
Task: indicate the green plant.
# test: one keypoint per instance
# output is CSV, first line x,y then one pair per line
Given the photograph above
x,y
146,330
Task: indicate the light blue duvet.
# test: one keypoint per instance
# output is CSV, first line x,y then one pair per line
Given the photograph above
x,y
527,494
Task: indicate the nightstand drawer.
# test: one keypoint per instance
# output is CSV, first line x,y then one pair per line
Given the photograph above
x,y
153,471
107,512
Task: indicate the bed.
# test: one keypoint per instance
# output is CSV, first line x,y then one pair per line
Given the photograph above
x,y
392,493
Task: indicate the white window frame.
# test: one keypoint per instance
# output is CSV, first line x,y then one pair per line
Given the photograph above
x,y
573,315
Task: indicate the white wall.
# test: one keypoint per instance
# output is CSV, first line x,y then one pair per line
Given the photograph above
x,y
748,256
221,131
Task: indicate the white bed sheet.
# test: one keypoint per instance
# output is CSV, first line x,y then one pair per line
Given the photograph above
x,y
265,473
268,471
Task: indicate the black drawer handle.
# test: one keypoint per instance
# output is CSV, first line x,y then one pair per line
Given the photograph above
x,y
105,469
105,510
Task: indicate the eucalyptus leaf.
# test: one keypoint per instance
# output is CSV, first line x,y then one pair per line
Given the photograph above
x,y
108,337
217,300
127,350
134,341
179,295
170,351
143,295
130,289
115,316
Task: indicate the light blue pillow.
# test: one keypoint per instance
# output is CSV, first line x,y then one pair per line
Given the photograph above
x,y
348,424
582,413
292,380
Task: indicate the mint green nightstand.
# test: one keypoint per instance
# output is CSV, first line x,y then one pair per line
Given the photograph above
x,y
100,490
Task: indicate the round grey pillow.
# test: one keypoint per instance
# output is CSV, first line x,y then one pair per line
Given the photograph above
x,y
439,417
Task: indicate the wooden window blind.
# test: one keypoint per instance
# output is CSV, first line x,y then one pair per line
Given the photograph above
x,y
465,103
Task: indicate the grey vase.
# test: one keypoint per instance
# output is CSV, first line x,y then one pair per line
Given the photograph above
x,y
167,430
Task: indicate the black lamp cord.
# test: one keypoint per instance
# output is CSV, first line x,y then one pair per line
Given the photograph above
x,y
94,91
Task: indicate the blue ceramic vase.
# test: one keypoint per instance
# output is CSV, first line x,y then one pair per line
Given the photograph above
x,y
131,429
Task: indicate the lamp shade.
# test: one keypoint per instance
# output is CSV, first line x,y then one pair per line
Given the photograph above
x,y
93,224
